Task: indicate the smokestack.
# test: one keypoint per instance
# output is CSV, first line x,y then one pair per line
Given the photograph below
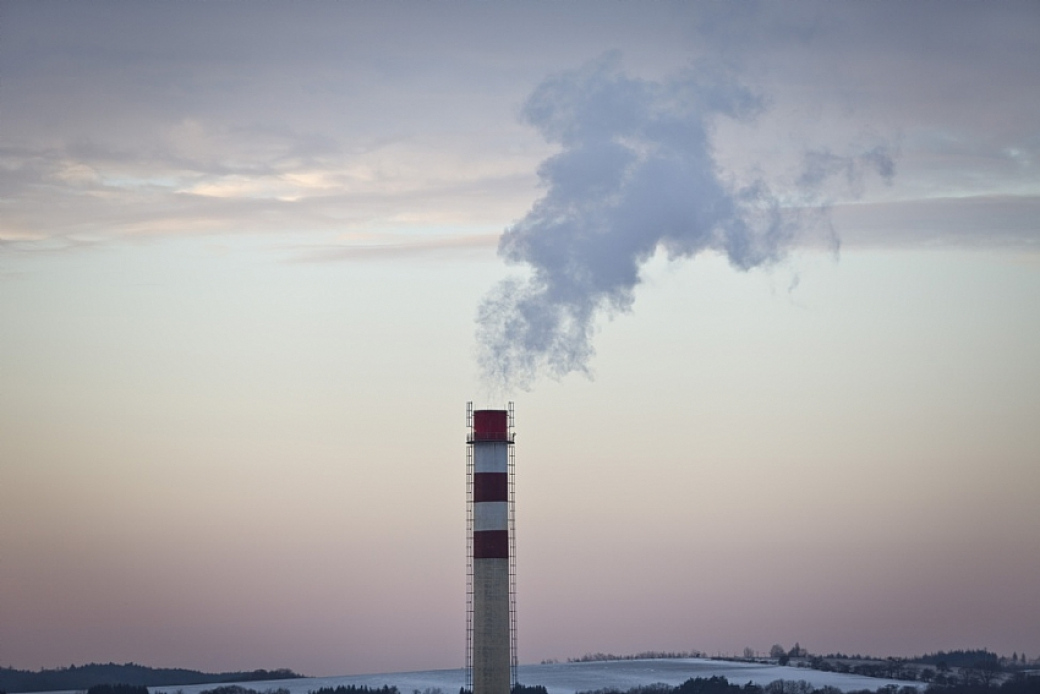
x,y
491,600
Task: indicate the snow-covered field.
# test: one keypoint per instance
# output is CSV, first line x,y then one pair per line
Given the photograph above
x,y
568,678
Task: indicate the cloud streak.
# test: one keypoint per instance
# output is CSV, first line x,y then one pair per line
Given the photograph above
x,y
636,172
203,179
386,245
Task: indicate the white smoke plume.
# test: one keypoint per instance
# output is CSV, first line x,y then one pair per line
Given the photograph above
x,y
636,172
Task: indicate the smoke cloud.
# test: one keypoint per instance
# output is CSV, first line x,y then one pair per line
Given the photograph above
x,y
636,173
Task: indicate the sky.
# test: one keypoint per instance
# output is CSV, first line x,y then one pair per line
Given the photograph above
x,y
763,281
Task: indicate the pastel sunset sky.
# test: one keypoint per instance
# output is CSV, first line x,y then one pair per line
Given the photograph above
x,y
767,301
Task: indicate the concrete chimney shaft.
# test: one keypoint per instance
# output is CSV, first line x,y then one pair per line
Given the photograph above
x,y
492,652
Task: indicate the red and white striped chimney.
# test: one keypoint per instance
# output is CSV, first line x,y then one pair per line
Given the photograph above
x,y
491,620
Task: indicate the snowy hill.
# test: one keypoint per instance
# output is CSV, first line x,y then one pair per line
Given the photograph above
x,y
568,678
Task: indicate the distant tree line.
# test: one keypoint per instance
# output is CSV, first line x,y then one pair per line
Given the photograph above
x,y
515,689
118,689
82,677
526,689
645,655
942,668
354,689
1017,684
341,689
235,689
141,689
950,668
958,658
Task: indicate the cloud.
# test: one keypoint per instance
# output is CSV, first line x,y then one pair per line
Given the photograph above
x,y
636,173
150,119
200,178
